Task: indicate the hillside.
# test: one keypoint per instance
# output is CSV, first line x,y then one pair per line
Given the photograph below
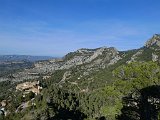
x,y
88,84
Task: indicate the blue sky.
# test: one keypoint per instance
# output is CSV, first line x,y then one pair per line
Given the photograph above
x,y
56,27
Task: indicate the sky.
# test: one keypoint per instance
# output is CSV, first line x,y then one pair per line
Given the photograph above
x,y
56,27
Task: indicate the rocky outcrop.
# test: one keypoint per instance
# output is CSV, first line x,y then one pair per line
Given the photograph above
x,y
135,56
154,57
115,60
155,40
96,54
3,103
76,60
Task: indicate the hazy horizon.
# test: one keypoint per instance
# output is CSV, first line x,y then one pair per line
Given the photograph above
x,y
56,27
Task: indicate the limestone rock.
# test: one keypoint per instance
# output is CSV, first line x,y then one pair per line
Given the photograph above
x,y
154,57
155,40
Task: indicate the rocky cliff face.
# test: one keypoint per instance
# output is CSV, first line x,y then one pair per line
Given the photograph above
x,y
154,45
155,40
97,56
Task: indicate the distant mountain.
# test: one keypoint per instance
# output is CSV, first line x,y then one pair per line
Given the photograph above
x,y
23,58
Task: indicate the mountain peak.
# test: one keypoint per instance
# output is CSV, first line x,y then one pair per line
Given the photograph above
x,y
155,40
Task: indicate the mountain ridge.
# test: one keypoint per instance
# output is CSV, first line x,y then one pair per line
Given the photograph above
x,y
94,59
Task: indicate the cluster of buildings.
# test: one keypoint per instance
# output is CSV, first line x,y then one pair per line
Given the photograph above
x,y
27,87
